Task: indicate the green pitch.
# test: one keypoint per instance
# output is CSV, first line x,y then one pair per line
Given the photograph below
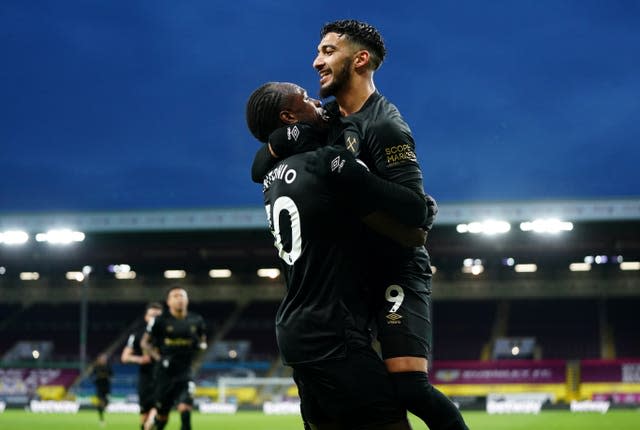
x,y
547,420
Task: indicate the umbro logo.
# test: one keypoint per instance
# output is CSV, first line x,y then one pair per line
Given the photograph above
x,y
336,164
293,132
393,318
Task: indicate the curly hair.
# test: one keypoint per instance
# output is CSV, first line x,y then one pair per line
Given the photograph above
x,y
263,109
362,34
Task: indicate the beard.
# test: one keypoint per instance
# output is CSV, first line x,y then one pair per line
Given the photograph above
x,y
340,81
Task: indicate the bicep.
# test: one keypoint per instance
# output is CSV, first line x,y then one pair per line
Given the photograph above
x,y
393,152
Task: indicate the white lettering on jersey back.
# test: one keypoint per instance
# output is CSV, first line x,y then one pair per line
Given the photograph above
x,y
282,173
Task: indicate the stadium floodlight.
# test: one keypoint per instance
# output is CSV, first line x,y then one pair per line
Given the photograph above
x,y
63,236
630,265
270,272
547,225
14,237
29,276
525,268
119,268
580,267
488,227
601,259
130,274
220,273
509,261
473,266
75,276
175,274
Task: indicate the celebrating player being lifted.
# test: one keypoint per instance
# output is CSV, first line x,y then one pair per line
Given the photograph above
x,y
372,128
174,339
133,353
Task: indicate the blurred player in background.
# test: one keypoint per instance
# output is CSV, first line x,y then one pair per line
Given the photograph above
x,y
133,353
102,374
174,339
314,202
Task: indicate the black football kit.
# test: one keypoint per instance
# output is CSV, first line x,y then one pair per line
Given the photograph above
x,y
178,341
145,373
380,137
322,324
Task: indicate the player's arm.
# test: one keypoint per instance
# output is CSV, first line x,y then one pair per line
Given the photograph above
x,y
146,342
366,192
387,226
284,142
393,152
263,161
201,346
129,356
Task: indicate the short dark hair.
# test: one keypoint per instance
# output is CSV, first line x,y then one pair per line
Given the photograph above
x,y
174,287
362,34
263,110
154,305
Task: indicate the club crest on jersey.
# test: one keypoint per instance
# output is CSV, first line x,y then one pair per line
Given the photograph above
x,y
293,132
394,318
351,141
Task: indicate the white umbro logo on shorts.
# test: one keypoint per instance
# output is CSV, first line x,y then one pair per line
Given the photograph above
x,y
293,132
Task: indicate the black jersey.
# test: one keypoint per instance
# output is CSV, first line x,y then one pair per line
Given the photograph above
x,y
378,135
178,340
102,377
133,342
317,236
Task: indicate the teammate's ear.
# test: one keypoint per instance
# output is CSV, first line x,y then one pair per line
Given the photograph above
x,y
288,117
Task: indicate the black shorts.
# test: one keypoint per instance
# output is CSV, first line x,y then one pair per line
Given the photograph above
x,y
102,392
403,317
355,391
103,397
171,391
146,390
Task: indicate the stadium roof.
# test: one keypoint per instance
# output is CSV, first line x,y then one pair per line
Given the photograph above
x,y
254,218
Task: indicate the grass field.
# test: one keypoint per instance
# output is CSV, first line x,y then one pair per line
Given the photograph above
x,y
547,420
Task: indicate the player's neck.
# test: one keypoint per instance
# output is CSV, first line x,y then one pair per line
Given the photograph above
x,y
355,94
178,313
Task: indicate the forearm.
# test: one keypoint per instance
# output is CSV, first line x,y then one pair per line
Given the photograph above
x,y
199,353
373,193
399,233
135,359
262,163
150,350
